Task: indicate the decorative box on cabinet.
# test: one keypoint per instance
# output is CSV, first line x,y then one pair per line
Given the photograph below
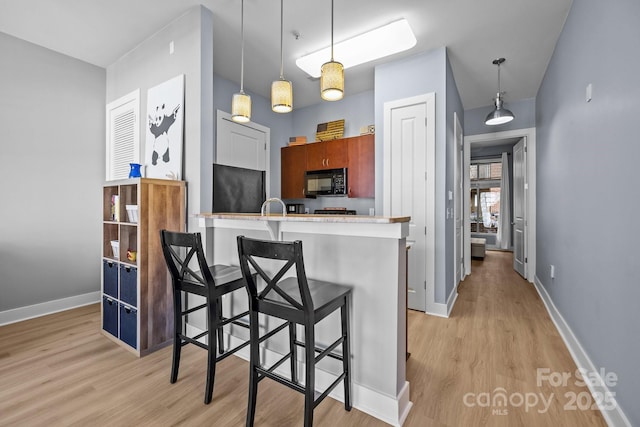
x,y
137,303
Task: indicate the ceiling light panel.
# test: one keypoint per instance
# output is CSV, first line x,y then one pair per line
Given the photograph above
x,y
375,44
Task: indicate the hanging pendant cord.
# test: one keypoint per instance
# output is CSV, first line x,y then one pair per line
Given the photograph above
x,y
331,30
498,78
281,38
242,47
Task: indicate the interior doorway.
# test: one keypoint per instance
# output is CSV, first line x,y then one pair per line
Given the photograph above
x,y
524,235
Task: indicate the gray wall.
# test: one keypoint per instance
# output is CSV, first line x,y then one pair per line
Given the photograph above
x,y
150,64
51,169
524,111
587,158
412,76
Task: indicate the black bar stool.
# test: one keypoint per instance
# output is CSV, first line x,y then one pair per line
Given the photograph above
x,y
298,301
212,283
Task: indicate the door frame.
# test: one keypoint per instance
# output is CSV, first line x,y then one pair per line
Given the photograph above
x,y
530,195
458,194
429,99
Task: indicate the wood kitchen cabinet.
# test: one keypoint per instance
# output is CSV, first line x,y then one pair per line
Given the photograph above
x,y
357,154
361,166
327,155
293,164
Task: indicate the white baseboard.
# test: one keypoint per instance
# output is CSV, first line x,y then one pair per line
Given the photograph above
x,y
613,416
391,410
443,310
29,312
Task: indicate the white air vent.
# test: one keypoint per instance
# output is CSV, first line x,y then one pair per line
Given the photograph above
x,y
123,135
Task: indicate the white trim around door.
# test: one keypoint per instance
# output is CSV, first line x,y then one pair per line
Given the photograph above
x,y
426,163
530,189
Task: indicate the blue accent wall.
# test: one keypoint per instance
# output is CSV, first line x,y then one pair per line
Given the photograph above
x,y
587,194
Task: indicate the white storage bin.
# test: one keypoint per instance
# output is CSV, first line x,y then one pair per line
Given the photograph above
x,y
132,213
115,246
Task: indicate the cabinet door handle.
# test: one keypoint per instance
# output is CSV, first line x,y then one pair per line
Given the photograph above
x,y
327,162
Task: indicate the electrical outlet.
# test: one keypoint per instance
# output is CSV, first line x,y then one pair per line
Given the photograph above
x,y
552,271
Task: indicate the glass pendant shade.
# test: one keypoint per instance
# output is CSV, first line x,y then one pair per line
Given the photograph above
x,y
241,107
499,115
332,81
281,96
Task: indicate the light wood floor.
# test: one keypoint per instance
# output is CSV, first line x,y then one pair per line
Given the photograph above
x,y
59,370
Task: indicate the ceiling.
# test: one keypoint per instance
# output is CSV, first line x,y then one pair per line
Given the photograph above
x,y
475,32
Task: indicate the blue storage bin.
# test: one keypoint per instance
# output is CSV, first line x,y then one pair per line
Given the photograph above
x,y
110,278
110,315
129,325
129,285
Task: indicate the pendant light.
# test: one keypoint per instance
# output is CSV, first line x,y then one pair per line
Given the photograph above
x,y
499,115
281,90
241,102
332,75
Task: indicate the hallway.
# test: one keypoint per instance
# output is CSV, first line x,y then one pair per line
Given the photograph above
x,y
480,366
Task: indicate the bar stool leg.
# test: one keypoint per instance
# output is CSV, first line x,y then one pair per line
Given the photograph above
x,y
212,352
310,373
254,360
346,353
294,351
177,331
219,331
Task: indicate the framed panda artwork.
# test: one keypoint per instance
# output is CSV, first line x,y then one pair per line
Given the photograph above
x,y
165,129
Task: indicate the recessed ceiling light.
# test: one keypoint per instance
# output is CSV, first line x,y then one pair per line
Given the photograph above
x,y
375,44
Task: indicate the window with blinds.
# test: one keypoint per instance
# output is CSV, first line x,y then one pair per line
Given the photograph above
x,y
123,135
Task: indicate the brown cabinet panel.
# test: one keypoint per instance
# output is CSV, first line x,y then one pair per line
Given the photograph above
x,y
293,163
361,166
327,155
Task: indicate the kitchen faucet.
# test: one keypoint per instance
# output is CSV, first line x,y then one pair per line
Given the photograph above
x,y
273,199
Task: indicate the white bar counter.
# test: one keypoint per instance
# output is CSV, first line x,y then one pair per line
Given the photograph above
x,y
367,253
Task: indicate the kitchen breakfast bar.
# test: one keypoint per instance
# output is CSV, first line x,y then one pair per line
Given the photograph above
x,y
367,253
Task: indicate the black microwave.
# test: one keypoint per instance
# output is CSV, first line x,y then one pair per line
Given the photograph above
x,y
328,182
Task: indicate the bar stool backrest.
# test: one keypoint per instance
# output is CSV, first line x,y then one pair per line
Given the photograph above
x,y
179,250
274,297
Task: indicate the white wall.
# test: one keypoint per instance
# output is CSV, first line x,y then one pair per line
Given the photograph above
x,y
51,169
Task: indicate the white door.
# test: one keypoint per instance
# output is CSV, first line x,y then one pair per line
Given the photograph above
x,y
457,205
240,145
407,191
519,207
